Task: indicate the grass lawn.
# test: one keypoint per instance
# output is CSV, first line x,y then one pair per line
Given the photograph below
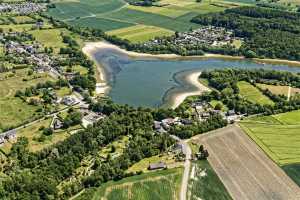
x,y
32,133
159,185
119,147
205,183
140,33
252,94
64,91
49,38
213,103
278,137
144,164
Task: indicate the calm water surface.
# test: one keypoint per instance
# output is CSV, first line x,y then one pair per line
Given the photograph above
x,y
144,82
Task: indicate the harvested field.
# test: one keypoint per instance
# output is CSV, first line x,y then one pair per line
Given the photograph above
x,y
245,170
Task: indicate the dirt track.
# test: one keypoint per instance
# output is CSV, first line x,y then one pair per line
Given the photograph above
x,y
245,170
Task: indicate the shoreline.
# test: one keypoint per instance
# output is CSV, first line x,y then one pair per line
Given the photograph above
x,y
93,46
102,86
193,79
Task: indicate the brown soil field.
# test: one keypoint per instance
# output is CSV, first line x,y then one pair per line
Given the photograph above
x,y
247,173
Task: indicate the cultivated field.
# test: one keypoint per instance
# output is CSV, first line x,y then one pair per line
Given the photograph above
x,y
245,170
252,94
140,33
160,185
111,15
205,184
280,90
277,135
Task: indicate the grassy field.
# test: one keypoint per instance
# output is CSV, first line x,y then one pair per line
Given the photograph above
x,y
205,183
279,90
110,15
160,185
252,94
140,33
13,111
277,135
32,133
49,38
144,164
213,103
23,19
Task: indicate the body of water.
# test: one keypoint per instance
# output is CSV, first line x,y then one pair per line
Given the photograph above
x,y
149,82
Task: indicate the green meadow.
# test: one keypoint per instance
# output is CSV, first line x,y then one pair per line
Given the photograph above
x,y
252,94
14,111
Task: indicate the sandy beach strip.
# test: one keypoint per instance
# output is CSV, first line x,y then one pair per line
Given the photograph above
x,y
192,79
90,47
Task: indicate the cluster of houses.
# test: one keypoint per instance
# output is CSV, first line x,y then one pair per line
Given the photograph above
x,y
6,136
23,8
204,110
30,53
163,125
209,35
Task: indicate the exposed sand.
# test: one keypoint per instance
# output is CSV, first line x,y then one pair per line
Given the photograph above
x,y
102,87
192,79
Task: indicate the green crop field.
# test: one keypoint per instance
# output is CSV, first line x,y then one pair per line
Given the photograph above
x,y
160,185
277,135
110,15
252,94
103,24
140,33
205,183
293,171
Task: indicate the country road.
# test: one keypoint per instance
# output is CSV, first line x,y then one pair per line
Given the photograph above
x,y
187,165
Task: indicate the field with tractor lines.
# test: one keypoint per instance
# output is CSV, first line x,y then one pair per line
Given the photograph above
x,y
246,171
